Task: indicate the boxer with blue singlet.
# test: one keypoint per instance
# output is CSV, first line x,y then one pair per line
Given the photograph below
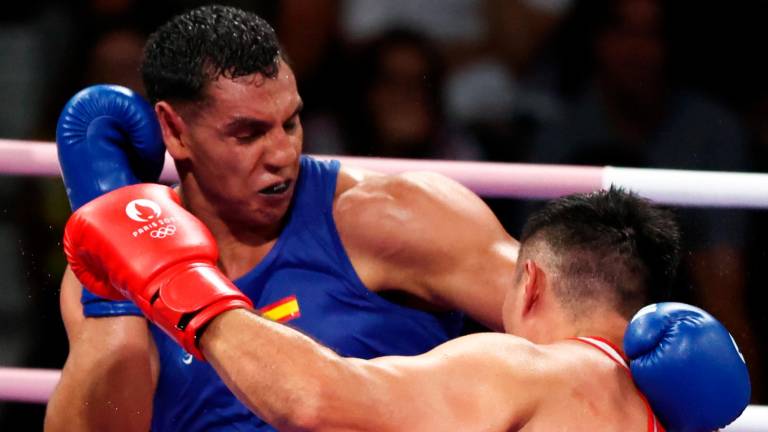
x,y
586,262
365,263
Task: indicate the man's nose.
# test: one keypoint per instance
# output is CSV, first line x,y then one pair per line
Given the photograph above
x,y
281,150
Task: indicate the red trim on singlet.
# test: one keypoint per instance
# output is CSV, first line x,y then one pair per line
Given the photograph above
x,y
654,425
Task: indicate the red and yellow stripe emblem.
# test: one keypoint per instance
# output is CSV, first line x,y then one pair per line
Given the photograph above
x,y
282,310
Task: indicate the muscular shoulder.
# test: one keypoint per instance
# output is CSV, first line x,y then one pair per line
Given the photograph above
x,y
492,379
411,206
489,355
429,237
505,350
551,385
414,219
586,388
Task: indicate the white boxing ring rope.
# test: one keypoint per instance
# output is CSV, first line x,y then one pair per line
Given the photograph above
x,y
512,180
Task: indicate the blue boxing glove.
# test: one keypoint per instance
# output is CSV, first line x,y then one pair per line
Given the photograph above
x,y
688,366
107,137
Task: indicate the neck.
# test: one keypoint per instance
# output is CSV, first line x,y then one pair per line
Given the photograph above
x,y
607,327
241,245
602,322
223,224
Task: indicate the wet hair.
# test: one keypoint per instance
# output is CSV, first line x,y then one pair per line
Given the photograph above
x,y
609,245
201,45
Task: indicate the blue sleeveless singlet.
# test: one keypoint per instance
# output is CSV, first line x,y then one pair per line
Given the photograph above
x,y
307,281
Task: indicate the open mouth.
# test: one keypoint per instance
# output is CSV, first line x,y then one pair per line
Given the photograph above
x,y
276,189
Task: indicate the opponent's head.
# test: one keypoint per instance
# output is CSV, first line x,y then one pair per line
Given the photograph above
x,y
583,256
229,109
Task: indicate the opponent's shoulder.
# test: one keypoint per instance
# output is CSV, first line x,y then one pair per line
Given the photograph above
x,y
484,378
486,356
476,357
582,381
565,364
575,367
586,365
501,348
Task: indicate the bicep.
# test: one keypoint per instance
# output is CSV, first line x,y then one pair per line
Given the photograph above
x,y
470,255
479,282
431,237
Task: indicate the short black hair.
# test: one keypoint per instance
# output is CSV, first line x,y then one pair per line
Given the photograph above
x,y
203,44
609,245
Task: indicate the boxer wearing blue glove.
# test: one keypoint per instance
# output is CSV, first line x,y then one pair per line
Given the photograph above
x,y
107,137
587,262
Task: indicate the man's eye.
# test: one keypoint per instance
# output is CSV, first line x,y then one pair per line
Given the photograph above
x,y
248,137
291,125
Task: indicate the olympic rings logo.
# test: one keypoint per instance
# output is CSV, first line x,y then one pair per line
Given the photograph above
x,y
163,232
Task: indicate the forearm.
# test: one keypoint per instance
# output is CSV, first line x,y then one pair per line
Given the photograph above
x,y
105,386
285,377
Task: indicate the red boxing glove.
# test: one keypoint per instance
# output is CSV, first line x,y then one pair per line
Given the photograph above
x,y
137,242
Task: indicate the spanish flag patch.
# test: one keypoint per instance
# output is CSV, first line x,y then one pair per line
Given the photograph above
x,y
282,310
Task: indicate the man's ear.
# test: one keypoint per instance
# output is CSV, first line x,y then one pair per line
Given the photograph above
x,y
532,285
173,128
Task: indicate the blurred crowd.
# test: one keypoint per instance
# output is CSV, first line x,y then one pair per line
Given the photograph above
x,y
637,83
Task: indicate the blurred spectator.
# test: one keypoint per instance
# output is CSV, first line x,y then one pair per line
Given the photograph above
x,y
486,48
626,110
489,47
505,93
456,25
34,36
394,106
115,59
507,90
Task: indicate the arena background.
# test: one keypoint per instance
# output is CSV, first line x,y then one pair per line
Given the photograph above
x,y
644,83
